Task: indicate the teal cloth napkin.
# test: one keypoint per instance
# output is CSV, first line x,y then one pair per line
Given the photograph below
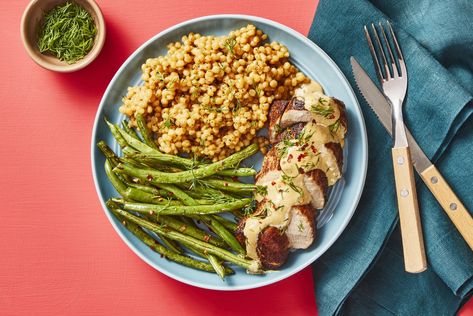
x,y
362,273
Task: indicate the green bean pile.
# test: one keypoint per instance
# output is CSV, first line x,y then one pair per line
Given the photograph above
x,y
166,200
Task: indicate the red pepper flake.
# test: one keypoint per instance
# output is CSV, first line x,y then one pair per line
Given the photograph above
x,y
207,238
314,150
273,183
304,146
301,156
331,116
289,157
225,184
149,177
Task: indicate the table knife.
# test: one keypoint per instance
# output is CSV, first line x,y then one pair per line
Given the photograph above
x,y
431,176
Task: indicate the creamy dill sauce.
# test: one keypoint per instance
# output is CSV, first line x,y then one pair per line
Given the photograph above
x,y
309,153
282,194
297,156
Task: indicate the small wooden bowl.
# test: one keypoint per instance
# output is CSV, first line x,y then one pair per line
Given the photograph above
x,y
31,22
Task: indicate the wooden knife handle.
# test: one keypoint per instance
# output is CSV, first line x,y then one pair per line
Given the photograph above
x,y
450,203
411,229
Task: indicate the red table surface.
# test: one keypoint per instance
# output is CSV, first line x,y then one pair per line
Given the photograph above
x,y
59,254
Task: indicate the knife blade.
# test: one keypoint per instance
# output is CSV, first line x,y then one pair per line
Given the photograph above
x,y
447,198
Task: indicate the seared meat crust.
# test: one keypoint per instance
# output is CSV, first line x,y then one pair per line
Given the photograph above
x,y
270,163
272,247
275,113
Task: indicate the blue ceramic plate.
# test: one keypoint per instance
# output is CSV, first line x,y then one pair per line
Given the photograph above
x,y
311,60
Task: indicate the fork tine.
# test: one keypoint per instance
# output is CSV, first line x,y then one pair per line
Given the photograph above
x,y
388,48
373,55
403,70
385,62
398,49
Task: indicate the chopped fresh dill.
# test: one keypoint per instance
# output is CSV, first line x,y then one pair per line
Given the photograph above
x,y
276,208
309,166
68,32
283,147
261,190
168,123
335,126
230,44
171,85
159,76
211,108
250,208
288,180
237,106
322,108
277,128
218,197
300,226
192,168
304,137
257,90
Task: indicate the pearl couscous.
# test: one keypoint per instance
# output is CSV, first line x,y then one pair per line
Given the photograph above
x,y
209,95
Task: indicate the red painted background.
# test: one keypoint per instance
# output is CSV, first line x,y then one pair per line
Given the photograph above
x,y
58,253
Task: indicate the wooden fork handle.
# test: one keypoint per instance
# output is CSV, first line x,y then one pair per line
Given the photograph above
x,y
450,203
411,229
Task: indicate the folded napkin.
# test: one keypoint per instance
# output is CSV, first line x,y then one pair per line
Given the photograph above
x,y
363,272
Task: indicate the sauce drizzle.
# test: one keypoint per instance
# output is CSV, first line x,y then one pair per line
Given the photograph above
x,y
285,188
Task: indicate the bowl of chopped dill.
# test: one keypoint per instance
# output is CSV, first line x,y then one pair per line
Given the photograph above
x,y
63,35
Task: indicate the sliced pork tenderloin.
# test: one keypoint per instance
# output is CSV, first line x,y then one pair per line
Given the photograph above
x,y
301,231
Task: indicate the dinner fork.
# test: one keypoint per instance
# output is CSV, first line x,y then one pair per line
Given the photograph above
x,y
393,79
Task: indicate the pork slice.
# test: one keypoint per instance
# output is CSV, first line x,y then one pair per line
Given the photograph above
x,y
295,112
272,247
276,110
275,113
292,117
316,184
343,113
270,164
337,151
273,244
301,231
